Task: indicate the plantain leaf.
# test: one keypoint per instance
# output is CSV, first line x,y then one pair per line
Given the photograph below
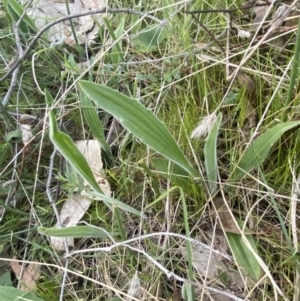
x,y
74,231
210,155
70,152
150,38
93,121
258,151
138,120
8,293
243,255
68,149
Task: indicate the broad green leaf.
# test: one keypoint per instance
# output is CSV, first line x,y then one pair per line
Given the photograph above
x,y
243,255
258,151
178,176
150,38
210,155
74,231
93,121
5,279
138,120
68,149
8,293
70,152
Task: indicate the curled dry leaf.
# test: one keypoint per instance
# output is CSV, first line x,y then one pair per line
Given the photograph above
x,y
27,276
86,27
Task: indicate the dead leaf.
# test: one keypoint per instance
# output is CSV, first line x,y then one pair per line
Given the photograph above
x,y
86,27
71,213
175,296
205,262
226,218
28,278
214,267
91,150
260,13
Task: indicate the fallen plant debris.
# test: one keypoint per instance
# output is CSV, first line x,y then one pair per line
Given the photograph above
x,y
27,275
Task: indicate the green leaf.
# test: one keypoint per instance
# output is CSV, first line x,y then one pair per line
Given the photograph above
x,y
48,98
5,279
111,202
243,255
150,38
258,151
138,120
93,121
210,155
70,152
68,149
178,176
12,294
16,10
75,231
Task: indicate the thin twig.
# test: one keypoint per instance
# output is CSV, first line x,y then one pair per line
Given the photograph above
x,y
142,237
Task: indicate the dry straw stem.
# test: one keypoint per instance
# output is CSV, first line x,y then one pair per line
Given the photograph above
x,y
68,271
293,221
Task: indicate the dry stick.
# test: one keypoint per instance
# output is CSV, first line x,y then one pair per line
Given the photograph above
x,y
169,274
39,34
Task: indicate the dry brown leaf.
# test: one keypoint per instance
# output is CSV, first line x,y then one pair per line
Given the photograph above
x,y
226,218
28,278
175,296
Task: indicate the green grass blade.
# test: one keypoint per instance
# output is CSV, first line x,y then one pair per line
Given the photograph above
x,y
16,11
138,120
243,255
210,155
116,51
95,125
258,151
68,149
74,231
111,202
294,74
